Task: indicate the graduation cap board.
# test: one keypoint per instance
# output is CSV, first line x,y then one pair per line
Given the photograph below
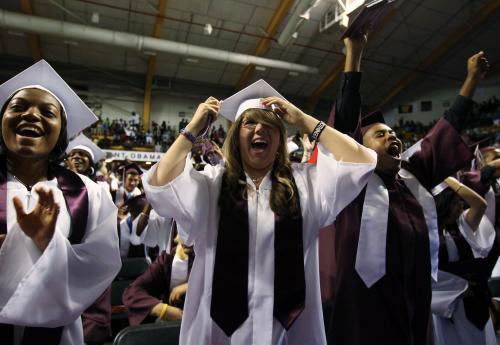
x,y
81,142
131,168
248,98
371,119
366,17
42,76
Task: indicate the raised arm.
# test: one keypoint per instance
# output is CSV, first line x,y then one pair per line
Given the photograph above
x,y
477,65
143,219
475,201
348,103
341,146
172,163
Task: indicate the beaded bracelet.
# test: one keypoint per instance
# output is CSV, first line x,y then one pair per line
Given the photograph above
x,y
189,136
317,131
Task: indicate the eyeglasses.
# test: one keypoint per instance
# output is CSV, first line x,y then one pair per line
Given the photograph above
x,y
249,124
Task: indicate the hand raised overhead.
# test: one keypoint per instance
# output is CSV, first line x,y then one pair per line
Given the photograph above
x,y
477,66
286,110
40,223
205,111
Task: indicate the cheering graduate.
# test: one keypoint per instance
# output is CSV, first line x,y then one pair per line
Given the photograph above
x,y
167,276
82,155
386,241
131,178
131,245
490,178
466,239
60,247
155,230
254,222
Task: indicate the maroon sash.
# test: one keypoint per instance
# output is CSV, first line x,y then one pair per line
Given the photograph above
x,y
77,200
229,304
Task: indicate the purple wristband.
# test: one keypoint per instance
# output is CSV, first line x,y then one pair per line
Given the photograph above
x,y
188,135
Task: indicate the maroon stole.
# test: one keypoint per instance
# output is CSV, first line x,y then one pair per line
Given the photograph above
x,y
476,306
76,197
229,304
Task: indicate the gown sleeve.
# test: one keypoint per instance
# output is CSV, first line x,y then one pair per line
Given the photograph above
x,y
188,199
481,241
66,278
332,184
146,291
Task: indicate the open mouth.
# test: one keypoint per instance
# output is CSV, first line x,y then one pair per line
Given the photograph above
x,y
259,144
29,131
394,150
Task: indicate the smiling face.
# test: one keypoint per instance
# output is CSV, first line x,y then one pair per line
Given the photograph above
x,y
79,161
31,124
132,179
382,139
259,140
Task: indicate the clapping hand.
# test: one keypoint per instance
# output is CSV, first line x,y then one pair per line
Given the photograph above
x,y
40,223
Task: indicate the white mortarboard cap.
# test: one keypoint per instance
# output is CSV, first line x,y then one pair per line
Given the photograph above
x,y
248,98
81,142
42,74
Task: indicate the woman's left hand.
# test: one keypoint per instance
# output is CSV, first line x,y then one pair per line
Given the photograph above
x,y
40,224
286,110
177,293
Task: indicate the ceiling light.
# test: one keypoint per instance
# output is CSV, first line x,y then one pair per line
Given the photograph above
x,y
260,68
207,30
149,52
95,18
293,74
306,15
192,60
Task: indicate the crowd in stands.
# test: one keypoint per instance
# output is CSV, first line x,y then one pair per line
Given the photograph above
x,y
482,123
131,134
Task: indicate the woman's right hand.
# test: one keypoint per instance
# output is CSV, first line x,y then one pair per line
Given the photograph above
x,y
39,224
205,111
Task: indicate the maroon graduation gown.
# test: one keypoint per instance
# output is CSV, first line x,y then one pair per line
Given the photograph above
x,y
148,289
396,309
97,319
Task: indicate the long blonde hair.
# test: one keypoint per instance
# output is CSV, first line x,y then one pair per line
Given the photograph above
x,y
284,195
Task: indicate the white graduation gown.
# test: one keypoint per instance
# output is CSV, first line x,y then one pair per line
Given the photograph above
x,y
451,326
157,232
121,192
191,199
53,288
